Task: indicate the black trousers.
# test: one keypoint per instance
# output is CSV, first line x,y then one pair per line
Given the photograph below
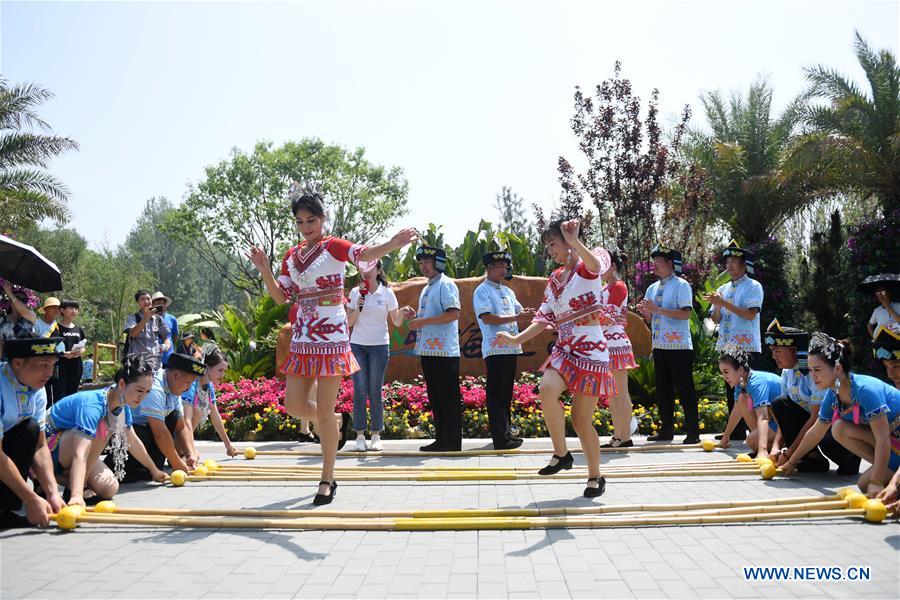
x,y
501,375
134,470
791,417
674,371
70,370
741,429
19,444
442,383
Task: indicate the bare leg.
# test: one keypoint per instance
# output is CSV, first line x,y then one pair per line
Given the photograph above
x,y
551,388
299,400
328,425
583,408
750,419
102,480
856,438
620,407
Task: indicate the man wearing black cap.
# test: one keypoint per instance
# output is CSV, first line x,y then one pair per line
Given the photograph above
x,y
797,409
735,308
27,365
159,420
437,345
667,307
497,309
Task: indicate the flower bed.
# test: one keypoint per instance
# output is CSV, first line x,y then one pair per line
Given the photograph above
x,y
254,410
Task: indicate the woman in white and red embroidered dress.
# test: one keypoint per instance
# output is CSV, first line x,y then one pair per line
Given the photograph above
x,y
312,276
579,361
621,355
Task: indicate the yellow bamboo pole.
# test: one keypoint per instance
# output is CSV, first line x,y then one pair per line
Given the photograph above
x,y
788,503
483,452
464,476
460,524
575,473
235,468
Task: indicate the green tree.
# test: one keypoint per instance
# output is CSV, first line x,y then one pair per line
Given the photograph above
x,y
513,214
191,284
827,268
28,193
242,201
742,159
855,136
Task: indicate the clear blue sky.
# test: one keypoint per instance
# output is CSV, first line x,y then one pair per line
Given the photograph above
x,y
465,97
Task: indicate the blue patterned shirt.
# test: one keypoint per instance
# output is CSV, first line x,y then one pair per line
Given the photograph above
x,y
496,299
19,402
159,403
744,293
801,389
672,293
440,295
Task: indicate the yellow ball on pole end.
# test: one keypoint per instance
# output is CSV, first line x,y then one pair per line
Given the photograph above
x,y
107,506
77,509
201,471
844,492
68,518
211,465
856,500
250,453
177,478
709,445
876,512
768,470
743,458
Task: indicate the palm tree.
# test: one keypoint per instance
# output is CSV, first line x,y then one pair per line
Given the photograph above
x,y
855,136
741,158
28,193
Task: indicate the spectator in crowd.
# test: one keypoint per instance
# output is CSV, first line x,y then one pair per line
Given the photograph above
x,y
87,373
70,364
146,330
16,319
161,304
887,311
886,348
189,347
46,325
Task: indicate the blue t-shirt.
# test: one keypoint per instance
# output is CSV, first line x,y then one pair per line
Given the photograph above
x,y
799,387
763,388
82,412
159,403
190,396
672,293
172,322
496,299
88,370
874,398
744,293
19,402
440,295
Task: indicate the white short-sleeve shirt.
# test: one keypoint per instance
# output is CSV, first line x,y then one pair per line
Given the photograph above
x,y
371,328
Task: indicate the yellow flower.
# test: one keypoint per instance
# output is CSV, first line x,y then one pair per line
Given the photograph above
x,y
702,425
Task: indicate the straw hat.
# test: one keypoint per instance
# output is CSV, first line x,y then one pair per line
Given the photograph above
x,y
50,302
161,296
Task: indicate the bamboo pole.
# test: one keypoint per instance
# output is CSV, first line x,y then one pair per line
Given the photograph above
x,y
461,524
579,472
464,476
234,468
483,452
788,503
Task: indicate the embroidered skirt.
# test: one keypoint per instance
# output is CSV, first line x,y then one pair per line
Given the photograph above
x,y
320,365
590,378
621,358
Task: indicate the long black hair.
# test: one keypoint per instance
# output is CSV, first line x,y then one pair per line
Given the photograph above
x,y
379,268
311,202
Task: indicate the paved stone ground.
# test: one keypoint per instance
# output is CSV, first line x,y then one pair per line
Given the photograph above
x,y
672,562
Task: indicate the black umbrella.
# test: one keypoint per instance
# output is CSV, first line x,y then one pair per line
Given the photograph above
x,y
23,265
891,281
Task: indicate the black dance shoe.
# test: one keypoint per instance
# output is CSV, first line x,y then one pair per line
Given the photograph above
x,y
660,437
308,438
346,425
321,499
562,462
508,445
691,439
593,492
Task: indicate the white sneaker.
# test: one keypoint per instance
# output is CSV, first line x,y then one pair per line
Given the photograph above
x,y
360,445
376,444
